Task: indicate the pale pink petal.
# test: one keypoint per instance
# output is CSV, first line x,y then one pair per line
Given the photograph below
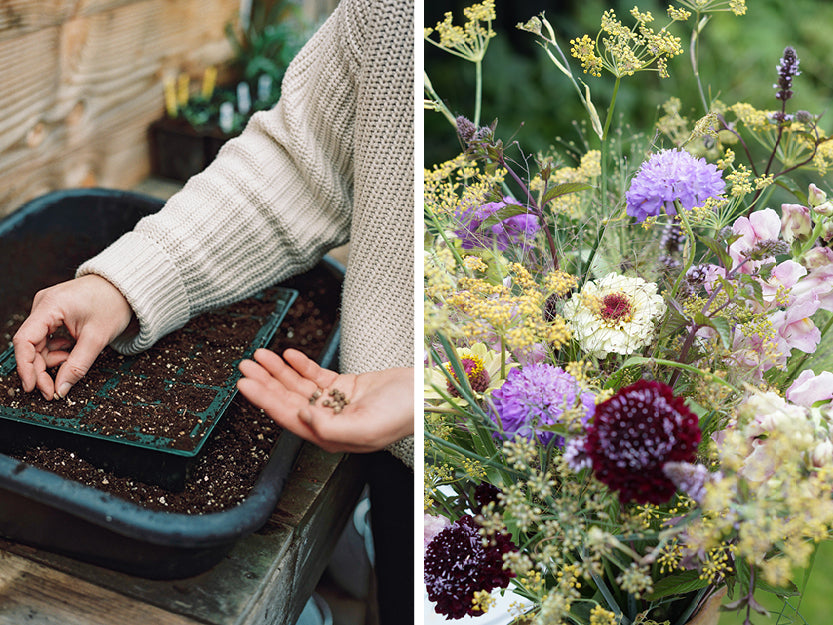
x,y
809,388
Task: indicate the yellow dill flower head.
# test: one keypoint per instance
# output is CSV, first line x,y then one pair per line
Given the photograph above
x,y
601,616
740,182
738,7
470,40
584,49
626,50
753,118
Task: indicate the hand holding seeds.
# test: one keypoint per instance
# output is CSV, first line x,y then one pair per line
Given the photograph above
x,y
338,412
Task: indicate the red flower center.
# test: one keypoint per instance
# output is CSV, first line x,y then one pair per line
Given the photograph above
x,y
616,307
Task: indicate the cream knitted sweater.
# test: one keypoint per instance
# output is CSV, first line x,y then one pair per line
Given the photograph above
x,y
332,162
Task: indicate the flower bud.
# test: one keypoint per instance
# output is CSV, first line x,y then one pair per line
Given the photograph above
x,y
827,230
815,196
822,454
825,209
795,222
817,257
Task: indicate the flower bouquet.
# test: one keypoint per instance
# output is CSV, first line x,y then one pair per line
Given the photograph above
x,y
621,423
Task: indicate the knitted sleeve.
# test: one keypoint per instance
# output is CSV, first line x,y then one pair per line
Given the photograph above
x,y
271,204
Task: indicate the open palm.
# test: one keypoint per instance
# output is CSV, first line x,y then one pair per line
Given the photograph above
x,y
379,406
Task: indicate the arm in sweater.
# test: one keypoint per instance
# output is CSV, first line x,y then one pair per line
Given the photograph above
x,y
272,203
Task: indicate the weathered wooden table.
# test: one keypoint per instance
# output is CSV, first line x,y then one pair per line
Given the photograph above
x,y
265,579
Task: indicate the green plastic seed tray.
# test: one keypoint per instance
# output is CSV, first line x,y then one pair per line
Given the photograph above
x,y
146,452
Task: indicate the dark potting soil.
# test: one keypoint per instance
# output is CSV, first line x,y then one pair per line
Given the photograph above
x,y
240,445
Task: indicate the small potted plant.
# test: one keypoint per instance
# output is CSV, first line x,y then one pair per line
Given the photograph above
x,y
196,124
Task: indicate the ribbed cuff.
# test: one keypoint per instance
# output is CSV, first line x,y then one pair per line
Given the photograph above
x,y
149,281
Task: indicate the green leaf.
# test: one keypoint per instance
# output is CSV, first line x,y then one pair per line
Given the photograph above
x,y
754,286
720,325
680,584
792,187
719,250
674,322
563,189
791,589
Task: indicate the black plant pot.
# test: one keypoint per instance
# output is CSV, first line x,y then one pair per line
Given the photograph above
x,y
43,242
179,151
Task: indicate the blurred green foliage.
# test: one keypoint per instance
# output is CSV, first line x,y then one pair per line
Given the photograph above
x,y
535,104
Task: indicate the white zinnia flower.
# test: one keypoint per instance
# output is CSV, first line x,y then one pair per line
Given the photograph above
x,y
615,314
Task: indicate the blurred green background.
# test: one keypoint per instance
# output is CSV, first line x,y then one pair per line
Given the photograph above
x,y
536,104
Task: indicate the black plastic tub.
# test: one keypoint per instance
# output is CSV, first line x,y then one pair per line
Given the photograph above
x,y
48,511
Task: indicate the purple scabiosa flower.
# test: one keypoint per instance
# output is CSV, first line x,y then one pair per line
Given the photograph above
x,y
537,395
668,176
690,478
510,231
787,70
458,564
634,434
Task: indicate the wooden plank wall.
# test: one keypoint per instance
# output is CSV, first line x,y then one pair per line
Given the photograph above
x,y
81,80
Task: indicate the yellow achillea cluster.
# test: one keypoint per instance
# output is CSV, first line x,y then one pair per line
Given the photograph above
x,y
514,312
470,40
625,51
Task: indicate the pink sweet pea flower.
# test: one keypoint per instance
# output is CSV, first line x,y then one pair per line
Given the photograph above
x,y
433,525
785,276
762,225
818,285
809,388
795,328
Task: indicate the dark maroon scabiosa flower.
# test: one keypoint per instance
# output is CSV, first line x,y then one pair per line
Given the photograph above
x,y
632,436
485,493
457,565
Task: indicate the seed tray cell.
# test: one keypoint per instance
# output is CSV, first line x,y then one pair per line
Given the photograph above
x,y
149,452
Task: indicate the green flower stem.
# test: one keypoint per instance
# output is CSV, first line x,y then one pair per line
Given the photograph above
x,y
436,223
436,101
642,360
536,209
502,358
505,471
688,251
478,90
605,150
694,53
